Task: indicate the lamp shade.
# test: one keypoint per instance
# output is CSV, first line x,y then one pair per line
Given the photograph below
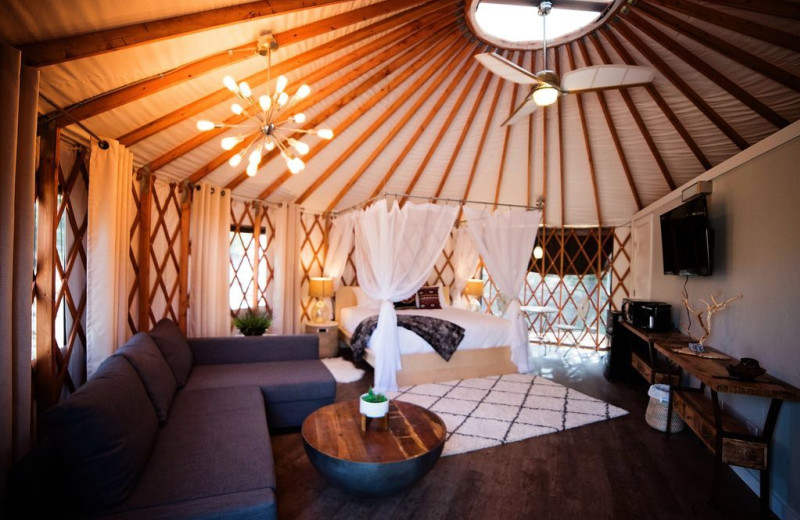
x,y
320,287
474,287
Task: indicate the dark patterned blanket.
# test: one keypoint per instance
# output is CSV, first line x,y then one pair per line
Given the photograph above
x,y
444,336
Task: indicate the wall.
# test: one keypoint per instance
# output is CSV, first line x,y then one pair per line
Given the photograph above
x,y
755,212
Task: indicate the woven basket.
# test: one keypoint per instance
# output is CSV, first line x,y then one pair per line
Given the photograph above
x,y
656,414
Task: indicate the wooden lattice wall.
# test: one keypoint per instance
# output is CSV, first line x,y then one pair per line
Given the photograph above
x,y
313,236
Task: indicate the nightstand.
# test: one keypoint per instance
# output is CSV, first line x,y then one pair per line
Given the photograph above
x,y
328,332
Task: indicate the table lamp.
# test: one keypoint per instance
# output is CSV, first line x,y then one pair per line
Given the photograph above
x,y
474,291
320,287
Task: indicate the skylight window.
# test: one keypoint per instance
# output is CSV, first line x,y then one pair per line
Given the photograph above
x,y
520,23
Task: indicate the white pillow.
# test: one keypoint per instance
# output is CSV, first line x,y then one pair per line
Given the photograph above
x,y
363,300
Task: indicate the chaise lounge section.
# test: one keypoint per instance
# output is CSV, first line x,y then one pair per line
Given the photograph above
x,y
175,428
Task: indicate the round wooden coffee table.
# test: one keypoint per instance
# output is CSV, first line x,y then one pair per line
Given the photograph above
x,y
375,462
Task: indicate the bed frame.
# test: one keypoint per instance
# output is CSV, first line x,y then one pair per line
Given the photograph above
x,y
430,367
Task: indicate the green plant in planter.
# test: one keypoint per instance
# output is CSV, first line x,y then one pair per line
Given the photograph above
x,y
252,322
372,397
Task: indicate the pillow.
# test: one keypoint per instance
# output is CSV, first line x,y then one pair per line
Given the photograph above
x,y
408,303
175,349
102,435
429,297
363,300
157,377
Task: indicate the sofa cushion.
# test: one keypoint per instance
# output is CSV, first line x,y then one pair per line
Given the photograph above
x,y
103,433
216,444
158,380
175,349
280,381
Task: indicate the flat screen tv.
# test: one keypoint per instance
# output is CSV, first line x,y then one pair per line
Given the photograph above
x,y
686,239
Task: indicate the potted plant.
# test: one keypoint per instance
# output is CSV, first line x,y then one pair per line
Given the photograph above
x,y
373,404
252,322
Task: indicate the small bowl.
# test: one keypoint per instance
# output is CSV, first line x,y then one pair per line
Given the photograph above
x,y
748,368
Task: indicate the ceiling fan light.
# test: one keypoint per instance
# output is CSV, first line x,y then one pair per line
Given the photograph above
x,y
545,95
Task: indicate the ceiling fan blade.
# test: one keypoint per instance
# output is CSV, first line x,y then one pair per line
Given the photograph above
x,y
600,77
506,69
525,108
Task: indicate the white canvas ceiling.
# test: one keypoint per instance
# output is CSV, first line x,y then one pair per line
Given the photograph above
x,y
415,113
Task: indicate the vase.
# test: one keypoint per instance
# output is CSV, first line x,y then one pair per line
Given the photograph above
x,y
372,410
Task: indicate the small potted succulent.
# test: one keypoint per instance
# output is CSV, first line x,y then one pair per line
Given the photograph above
x,y
252,322
373,404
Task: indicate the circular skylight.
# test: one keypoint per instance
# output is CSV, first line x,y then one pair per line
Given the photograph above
x,y
521,23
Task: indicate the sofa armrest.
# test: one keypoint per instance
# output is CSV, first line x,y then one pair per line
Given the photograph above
x,y
241,349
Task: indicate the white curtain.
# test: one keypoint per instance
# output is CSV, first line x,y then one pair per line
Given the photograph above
x,y
340,242
209,232
505,242
286,295
19,89
108,273
395,250
465,262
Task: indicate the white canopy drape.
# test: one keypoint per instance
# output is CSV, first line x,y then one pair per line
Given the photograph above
x,y
465,262
209,231
340,242
108,271
395,250
505,242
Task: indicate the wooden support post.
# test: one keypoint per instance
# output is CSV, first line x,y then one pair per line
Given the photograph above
x,y
145,202
183,295
46,391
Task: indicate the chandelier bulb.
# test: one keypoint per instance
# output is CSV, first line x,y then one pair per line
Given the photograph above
x,y
299,118
281,84
230,83
255,156
204,125
244,88
283,98
235,160
265,102
296,165
301,147
237,109
229,142
325,133
252,169
303,91
269,144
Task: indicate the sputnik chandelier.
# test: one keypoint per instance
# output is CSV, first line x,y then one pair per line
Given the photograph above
x,y
271,113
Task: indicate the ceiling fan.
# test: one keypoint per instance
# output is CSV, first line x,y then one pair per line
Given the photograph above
x,y
547,87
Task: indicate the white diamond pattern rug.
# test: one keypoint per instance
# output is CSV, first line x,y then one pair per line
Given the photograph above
x,y
490,411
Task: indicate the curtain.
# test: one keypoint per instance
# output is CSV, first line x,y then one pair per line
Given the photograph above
x,y
505,241
209,262
465,262
395,250
340,242
286,296
108,272
19,89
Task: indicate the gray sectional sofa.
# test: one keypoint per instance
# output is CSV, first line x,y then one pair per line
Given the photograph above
x,y
175,428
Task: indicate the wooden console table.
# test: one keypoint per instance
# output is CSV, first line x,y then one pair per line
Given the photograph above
x,y
726,436
648,363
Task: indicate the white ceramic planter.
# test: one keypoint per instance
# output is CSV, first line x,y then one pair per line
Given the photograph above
x,y
373,409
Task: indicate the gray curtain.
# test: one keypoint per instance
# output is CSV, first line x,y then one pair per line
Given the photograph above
x,y
19,89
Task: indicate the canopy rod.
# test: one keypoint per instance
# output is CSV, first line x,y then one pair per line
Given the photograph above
x,y
539,202
101,143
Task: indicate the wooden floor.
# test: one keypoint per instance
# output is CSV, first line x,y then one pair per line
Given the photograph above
x,y
616,469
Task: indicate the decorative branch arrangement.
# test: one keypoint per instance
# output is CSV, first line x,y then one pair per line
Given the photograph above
x,y
709,311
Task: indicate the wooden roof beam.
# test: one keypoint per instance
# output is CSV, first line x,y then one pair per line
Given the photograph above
x,y
733,23
443,39
411,17
433,145
612,129
637,117
60,50
410,35
717,77
139,89
723,46
680,84
588,146
414,87
450,59
784,9
661,102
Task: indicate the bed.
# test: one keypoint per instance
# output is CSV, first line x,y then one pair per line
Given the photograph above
x,y
484,351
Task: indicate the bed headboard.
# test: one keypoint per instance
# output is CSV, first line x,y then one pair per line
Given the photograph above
x,y
346,297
